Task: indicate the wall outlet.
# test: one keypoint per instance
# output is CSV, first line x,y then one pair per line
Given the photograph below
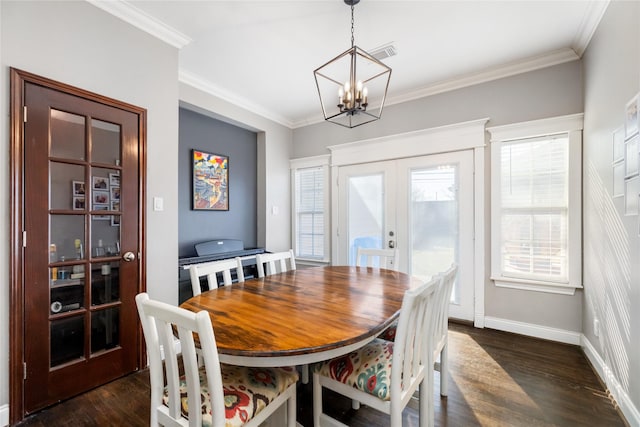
x,y
596,327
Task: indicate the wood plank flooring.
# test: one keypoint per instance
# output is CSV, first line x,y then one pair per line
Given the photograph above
x,y
497,379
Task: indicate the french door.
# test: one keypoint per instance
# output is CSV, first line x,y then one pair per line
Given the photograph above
x,y
80,242
421,205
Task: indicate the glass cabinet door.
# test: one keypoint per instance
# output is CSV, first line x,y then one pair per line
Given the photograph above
x,y
84,237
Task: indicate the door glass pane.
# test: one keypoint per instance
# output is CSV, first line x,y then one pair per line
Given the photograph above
x,y
105,283
66,183
105,329
105,142
434,221
67,237
105,220
366,213
67,340
67,135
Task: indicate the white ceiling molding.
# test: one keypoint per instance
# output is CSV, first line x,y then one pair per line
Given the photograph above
x,y
590,22
139,19
494,73
210,88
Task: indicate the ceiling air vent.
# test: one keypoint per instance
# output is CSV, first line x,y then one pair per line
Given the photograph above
x,y
384,51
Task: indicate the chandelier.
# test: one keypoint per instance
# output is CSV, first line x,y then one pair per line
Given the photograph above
x,y
353,85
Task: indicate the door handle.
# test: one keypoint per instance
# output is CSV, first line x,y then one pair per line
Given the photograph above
x,y
129,256
392,244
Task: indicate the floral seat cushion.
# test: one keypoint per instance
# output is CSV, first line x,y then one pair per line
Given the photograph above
x,y
389,334
247,391
368,369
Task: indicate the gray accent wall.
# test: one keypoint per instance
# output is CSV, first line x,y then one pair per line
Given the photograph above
x,y
204,133
611,239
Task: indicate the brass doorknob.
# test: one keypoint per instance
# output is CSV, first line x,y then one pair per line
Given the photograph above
x,y
129,256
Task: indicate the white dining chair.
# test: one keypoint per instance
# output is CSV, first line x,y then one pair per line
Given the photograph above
x,y
367,257
441,329
399,368
210,270
275,262
217,395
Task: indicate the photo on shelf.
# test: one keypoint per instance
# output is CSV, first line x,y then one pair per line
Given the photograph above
x,y
631,124
78,203
100,183
114,179
101,197
101,207
77,188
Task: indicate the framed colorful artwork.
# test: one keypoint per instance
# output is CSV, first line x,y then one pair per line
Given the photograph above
x,y
210,181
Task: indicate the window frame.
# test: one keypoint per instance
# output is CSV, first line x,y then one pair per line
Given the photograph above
x,y
571,126
311,163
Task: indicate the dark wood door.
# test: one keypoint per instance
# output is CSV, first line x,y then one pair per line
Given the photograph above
x,y
81,264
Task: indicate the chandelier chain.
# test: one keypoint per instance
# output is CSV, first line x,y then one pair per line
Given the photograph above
x,y
352,21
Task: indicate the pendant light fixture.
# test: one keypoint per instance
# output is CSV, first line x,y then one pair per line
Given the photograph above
x,y
353,85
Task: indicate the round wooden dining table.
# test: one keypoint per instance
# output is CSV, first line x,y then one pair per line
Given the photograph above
x,y
302,316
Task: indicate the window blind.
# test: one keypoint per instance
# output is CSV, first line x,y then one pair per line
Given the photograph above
x,y
310,212
534,208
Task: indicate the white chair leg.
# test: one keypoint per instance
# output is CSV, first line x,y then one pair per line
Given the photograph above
x,y
291,410
317,400
444,369
305,374
424,406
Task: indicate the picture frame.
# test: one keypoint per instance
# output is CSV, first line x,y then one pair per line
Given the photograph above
x,y
114,193
99,183
618,145
77,188
100,207
631,123
114,180
78,203
115,220
210,181
631,195
631,157
618,179
100,197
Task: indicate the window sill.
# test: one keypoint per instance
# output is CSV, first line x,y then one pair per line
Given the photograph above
x,y
536,285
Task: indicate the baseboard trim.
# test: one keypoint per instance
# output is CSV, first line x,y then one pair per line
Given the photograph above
x,y
628,409
4,415
531,330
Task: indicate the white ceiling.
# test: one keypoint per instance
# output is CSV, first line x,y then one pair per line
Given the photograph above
x,y
261,54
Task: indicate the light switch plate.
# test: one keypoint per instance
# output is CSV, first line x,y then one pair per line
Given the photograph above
x,y
158,204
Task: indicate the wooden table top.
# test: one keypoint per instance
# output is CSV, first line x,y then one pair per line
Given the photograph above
x,y
303,312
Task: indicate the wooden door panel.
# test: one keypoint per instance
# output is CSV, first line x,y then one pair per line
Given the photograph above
x,y
75,345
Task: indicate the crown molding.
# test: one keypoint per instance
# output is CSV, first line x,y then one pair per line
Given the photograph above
x,y
509,69
526,65
590,21
139,19
204,85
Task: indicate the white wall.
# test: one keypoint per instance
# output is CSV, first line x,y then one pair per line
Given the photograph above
x,y
549,92
79,44
611,242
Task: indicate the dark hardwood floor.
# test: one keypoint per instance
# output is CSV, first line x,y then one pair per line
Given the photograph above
x,y
497,379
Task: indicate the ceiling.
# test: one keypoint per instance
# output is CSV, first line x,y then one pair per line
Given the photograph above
x,y
261,54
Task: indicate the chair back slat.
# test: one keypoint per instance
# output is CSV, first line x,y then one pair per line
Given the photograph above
x,y
412,351
441,328
367,257
275,262
159,323
210,270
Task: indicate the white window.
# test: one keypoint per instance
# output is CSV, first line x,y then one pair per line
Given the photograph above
x,y
310,208
536,200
